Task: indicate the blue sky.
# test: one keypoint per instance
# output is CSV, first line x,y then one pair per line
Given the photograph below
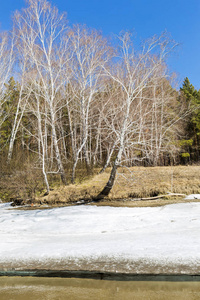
x,y
181,18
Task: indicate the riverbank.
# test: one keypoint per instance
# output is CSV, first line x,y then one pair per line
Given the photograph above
x,y
131,183
148,240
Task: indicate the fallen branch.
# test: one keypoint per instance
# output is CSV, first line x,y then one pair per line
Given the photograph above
x,y
158,197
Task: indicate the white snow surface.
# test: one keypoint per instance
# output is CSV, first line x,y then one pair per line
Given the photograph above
x,y
192,197
169,233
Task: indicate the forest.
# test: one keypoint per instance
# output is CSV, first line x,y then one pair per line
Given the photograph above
x,y
74,102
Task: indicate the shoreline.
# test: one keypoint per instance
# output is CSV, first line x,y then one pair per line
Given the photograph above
x,y
104,267
103,275
103,240
97,275
128,202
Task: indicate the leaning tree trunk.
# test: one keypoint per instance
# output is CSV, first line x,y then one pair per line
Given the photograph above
x,y
109,185
106,190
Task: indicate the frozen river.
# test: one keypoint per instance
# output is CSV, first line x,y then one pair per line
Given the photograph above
x,y
150,239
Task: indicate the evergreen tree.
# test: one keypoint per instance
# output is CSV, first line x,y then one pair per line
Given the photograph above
x,y
8,111
192,97
189,91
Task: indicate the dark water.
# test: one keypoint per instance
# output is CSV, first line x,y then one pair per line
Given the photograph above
x,y
29,288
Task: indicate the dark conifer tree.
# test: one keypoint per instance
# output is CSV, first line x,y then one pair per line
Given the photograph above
x,y
9,108
192,97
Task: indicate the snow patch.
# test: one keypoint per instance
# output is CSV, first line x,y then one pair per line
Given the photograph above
x,y
192,197
159,234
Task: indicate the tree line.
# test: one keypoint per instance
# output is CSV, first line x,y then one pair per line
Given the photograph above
x,y
73,100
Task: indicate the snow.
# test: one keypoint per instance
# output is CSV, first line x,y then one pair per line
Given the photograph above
x,y
168,234
192,197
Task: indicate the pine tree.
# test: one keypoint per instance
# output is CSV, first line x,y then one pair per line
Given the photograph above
x,y
192,97
189,91
8,112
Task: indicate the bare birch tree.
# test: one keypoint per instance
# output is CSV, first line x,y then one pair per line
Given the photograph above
x,y
161,126
90,55
133,75
22,66
43,32
40,121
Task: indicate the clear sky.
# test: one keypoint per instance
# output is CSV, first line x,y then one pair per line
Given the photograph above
x,y
181,18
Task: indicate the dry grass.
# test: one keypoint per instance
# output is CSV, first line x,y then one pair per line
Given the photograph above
x,y
68,194
144,182
136,182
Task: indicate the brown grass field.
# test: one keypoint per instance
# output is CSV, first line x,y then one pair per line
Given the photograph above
x,y
131,183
